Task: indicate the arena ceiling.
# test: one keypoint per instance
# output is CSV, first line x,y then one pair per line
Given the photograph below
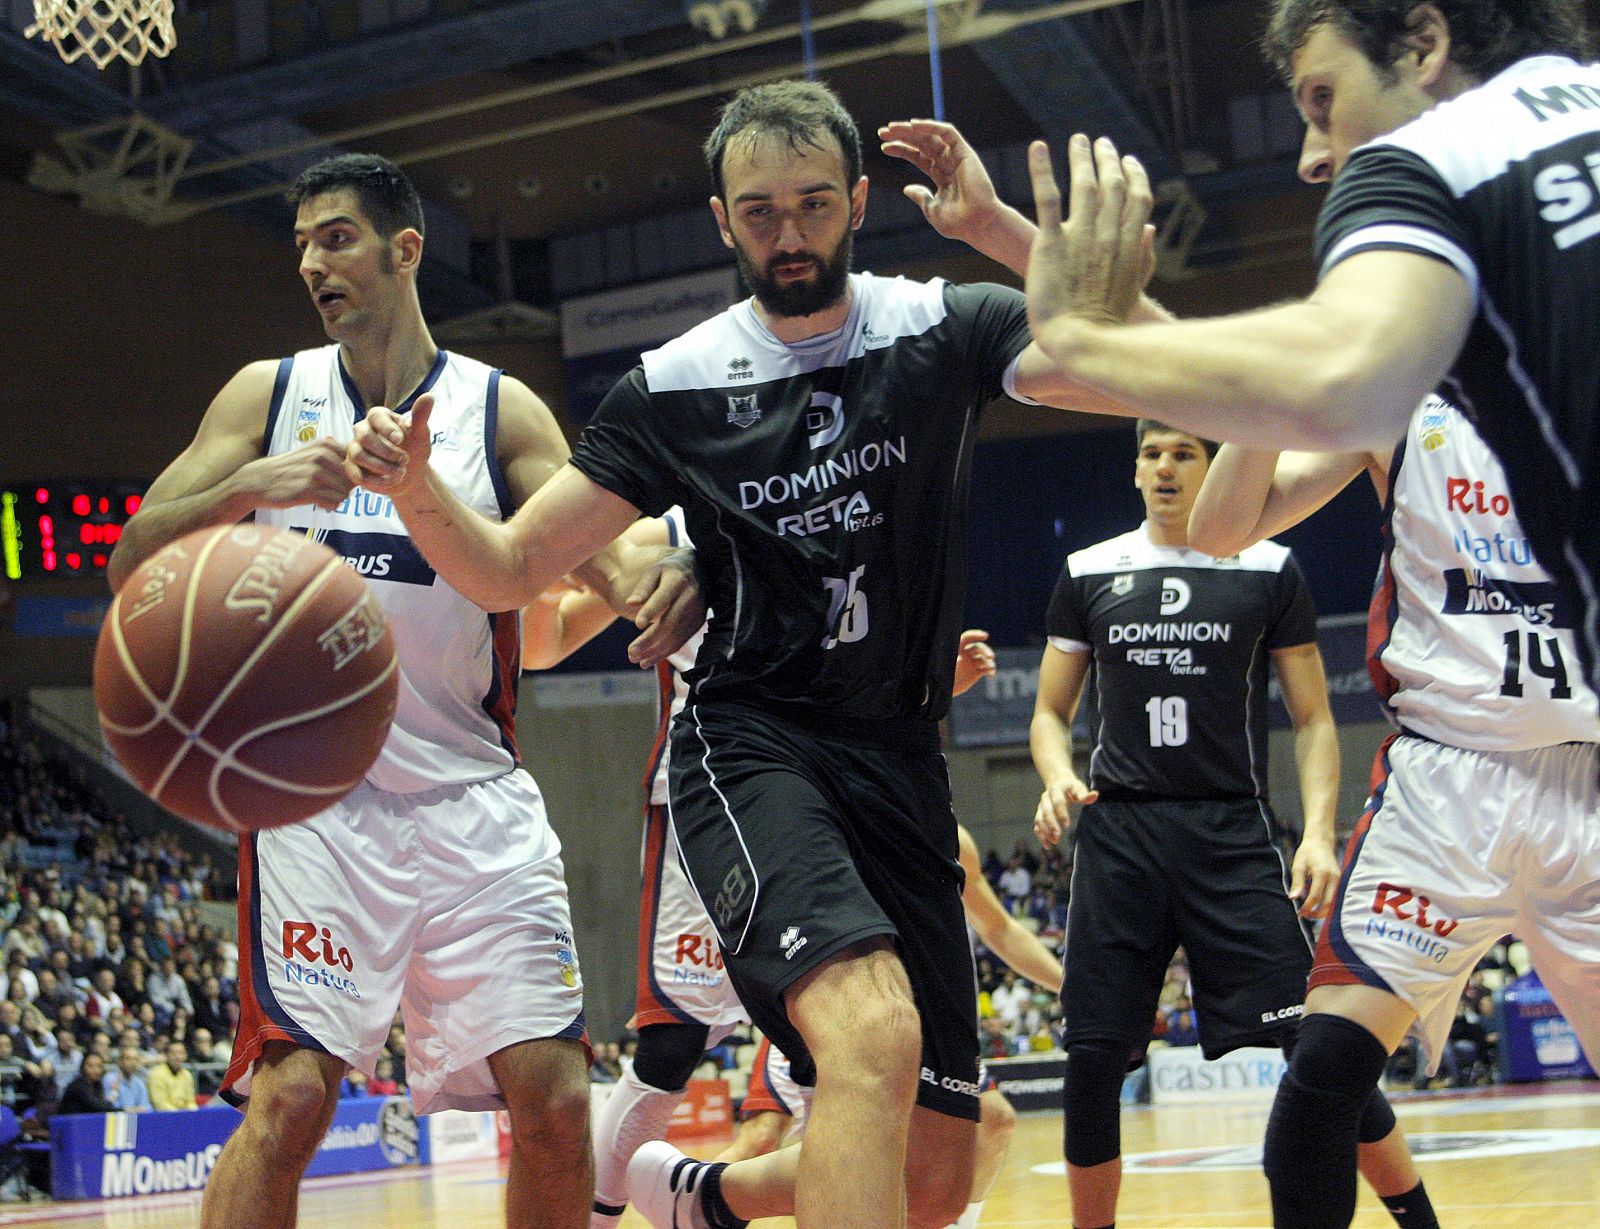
x,y
528,122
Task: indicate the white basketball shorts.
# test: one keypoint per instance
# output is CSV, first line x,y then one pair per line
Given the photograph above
x,y
681,978
448,905
1457,849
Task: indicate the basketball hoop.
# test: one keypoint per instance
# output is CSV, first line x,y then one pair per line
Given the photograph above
x,y
105,29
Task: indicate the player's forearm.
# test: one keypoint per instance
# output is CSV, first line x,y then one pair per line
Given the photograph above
x,y
479,558
1316,757
1285,377
612,572
1021,950
154,526
1050,741
1227,514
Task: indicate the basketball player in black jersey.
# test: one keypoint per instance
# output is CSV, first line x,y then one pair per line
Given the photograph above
x,y
819,438
1459,249
1176,843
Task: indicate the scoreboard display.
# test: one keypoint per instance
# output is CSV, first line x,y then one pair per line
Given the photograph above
x,y
64,527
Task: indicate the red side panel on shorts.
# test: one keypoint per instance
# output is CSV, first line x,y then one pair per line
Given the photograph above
x,y
653,1006
261,1019
761,1099
663,723
1335,962
255,1030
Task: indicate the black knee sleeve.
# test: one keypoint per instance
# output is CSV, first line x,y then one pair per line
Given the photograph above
x,y
1310,1151
1377,1119
1093,1096
669,1053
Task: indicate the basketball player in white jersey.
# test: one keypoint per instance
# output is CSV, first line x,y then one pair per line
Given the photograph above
x,y
436,887
1484,817
684,1003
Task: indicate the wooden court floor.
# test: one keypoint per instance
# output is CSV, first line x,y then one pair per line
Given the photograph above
x,y
1514,1158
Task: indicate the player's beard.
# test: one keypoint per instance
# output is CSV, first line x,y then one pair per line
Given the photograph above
x,y
802,298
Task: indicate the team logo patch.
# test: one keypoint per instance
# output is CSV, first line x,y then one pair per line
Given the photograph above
x,y
567,957
1433,428
743,411
447,439
1438,1146
1122,584
307,422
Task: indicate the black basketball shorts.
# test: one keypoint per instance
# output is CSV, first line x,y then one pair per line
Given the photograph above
x,y
801,844
1148,876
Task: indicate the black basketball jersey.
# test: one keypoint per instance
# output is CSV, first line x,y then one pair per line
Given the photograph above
x,y
1504,184
1180,645
825,488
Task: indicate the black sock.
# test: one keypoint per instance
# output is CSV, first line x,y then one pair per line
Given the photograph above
x,y
718,1213
1412,1210
1310,1151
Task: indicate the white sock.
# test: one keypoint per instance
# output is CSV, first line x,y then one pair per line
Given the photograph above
x,y
633,1114
969,1218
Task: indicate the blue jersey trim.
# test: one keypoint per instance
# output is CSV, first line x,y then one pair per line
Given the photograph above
x,y
358,403
280,385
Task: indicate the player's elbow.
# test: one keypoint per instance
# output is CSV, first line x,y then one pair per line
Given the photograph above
x,y
1218,541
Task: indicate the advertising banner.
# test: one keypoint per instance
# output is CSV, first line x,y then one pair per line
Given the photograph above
x,y
111,1156
462,1135
1028,1082
1536,1042
706,1109
1182,1073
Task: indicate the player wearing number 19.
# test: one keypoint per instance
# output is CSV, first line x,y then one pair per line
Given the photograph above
x,y
819,439
1176,843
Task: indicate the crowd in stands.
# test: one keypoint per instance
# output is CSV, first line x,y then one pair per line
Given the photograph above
x,y
115,992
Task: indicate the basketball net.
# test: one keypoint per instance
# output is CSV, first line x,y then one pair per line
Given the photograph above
x,y
104,29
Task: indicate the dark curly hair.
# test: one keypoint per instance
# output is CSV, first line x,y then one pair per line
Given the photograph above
x,y
1486,36
799,112
382,190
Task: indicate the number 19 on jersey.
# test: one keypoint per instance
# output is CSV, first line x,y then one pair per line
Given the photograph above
x,y
1169,720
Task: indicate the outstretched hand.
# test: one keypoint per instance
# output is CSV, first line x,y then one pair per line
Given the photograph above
x,y
962,200
389,452
1093,266
666,606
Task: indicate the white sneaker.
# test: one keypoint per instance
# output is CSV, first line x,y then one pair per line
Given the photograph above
x,y
605,1216
664,1186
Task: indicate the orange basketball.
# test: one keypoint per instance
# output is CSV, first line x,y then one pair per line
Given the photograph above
x,y
245,677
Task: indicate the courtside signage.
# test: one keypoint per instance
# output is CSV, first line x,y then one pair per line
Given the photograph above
x,y
114,1156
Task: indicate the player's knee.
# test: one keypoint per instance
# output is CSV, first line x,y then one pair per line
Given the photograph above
x,y
669,1053
762,1133
997,1119
936,1196
1092,1092
286,1113
550,1120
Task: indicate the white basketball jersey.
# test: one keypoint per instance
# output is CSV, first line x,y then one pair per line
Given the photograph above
x,y
1470,641
673,691
458,664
